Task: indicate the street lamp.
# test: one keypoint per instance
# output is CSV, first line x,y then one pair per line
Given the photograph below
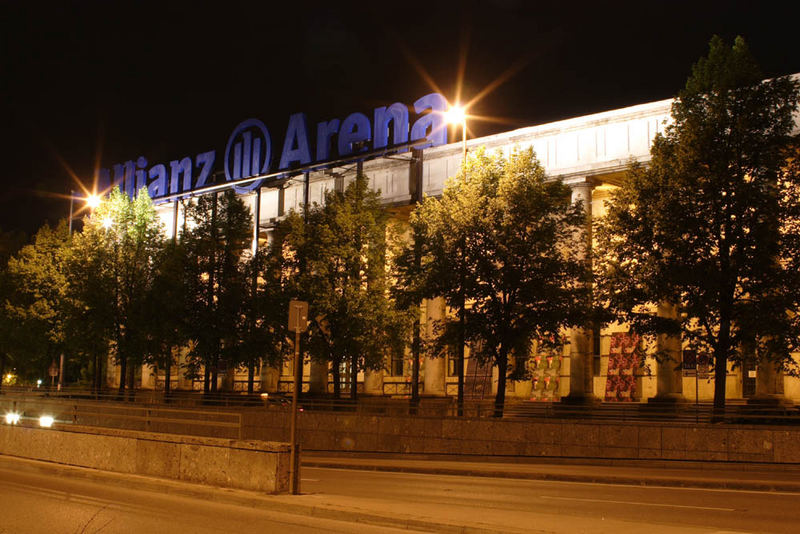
x,y
457,115
92,201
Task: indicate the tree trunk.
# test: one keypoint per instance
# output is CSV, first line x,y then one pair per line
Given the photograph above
x,y
130,380
502,371
337,387
415,353
123,370
354,377
206,380
97,375
251,377
167,372
462,312
721,368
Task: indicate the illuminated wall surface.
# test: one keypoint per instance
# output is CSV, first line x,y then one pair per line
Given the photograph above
x,y
590,153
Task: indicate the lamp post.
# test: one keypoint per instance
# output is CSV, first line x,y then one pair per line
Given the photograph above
x,y
458,115
92,201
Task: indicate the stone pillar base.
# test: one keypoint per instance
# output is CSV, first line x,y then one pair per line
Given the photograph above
x,y
769,400
585,400
668,398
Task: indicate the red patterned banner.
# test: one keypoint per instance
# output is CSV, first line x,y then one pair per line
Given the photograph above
x,y
623,364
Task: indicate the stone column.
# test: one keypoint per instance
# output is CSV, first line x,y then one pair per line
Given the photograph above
x,y
767,377
269,379
148,377
434,368
669,373
581,378
178,370
373,382
318,378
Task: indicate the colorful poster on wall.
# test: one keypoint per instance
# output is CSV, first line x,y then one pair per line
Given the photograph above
x,y
623,366
545,370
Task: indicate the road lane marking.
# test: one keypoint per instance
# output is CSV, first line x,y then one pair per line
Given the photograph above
x,y
309,480
639,503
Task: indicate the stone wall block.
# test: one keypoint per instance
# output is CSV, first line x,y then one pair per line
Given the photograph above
x,y
581,435
707,439
511,431
618,436
157,458
543,432
673,439
747,441
204,465
786,446
649,437
542,449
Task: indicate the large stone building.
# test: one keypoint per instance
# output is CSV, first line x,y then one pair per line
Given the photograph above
x,y
588,153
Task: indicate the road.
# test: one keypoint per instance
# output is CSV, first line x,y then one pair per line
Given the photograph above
x,y
32,503
34,500
565,506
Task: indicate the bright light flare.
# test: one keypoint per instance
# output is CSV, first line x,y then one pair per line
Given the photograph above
x,y
12,418
108,222
456,115
46,421
93,201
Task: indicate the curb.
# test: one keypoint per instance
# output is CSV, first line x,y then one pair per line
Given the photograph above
x,y
273,503
729,484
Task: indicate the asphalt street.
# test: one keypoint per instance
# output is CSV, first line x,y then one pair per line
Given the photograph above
x,y
33,503
555,506
36,497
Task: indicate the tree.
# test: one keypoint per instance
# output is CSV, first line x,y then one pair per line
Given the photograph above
x,y
263,332
168,330
339,258
113,270
217,243
36,300
505,241
711,224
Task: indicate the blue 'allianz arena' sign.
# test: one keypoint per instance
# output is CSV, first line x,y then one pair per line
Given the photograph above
x,y
249,149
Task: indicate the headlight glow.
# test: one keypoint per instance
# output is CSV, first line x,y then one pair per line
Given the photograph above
x,y
46,421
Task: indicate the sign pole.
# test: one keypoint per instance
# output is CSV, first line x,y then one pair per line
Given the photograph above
x,y
298,322
294,460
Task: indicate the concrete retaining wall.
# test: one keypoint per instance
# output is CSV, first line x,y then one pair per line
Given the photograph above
x,y
553,438
251,465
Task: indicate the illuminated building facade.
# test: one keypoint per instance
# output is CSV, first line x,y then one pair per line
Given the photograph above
x,y
589,153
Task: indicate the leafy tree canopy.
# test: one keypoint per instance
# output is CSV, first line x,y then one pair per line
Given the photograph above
x,y
510,243
711,224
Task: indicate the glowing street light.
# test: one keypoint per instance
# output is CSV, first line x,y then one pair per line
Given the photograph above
x,y
108,222
457,115
93,200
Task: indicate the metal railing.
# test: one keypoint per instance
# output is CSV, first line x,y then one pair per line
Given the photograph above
x,y
221,412
108,412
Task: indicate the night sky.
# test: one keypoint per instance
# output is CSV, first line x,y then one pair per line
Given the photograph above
x,y
170,79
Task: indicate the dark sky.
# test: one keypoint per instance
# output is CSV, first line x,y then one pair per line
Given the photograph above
x,y
170,79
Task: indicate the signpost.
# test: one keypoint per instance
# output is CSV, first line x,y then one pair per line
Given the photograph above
x,y
298,323
53,372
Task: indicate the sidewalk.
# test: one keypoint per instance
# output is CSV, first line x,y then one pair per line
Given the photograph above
x,y
743,476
